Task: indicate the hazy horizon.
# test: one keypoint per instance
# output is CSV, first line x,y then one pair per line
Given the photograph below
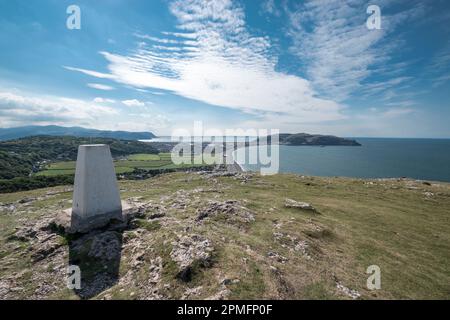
x,y
283,132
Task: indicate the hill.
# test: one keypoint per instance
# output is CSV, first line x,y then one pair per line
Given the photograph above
x,y
236,236
305,139
20,157
20,132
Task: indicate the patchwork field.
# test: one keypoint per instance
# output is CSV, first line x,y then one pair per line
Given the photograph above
x,y
135,161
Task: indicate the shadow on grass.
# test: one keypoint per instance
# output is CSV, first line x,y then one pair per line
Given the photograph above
x,y
98,255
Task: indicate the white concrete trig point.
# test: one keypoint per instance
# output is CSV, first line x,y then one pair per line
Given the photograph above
x,y
96,198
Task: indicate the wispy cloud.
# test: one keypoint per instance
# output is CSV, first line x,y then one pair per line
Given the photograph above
x,y
439,68
100,86
153,121
375,88
402,103
103,100
92,73
218,62
395,112
133,103
339,52
270,7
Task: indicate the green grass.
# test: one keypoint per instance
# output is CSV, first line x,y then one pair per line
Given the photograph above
x,y
65,165
144,157
136,161
387,223
148,225
165,156
142,164
58,172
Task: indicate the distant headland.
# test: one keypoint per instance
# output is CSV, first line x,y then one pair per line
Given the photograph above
x,y
27,131
305,139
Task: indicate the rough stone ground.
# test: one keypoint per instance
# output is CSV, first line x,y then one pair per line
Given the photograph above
x,y
221,235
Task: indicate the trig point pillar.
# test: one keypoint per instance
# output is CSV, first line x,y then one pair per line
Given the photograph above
x,y
96,198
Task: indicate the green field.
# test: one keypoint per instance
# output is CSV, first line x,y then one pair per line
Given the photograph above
x,y
146,157
135,161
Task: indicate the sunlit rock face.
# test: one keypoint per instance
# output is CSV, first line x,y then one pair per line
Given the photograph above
x,y
96,198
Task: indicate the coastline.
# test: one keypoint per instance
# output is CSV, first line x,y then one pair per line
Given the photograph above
x,y
427,160
237,167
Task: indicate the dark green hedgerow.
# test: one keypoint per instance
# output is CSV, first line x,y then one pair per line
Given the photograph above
x,y
35,182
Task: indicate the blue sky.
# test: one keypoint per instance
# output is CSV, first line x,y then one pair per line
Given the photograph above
x,y
298,66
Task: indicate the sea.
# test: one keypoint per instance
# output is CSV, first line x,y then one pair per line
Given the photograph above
x,y
423,159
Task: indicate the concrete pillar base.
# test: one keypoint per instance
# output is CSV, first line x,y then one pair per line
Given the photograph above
x,y
70,223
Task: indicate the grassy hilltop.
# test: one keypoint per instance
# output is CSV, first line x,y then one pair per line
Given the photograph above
x,y
47,161
231,236
22,157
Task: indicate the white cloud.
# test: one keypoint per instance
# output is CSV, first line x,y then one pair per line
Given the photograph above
x,y
17,107
396,112
440,80
133,103
402,103
155,39
96,74
270,7
154,121
99,86
385,86
379,115
332,40
220,63
439,67
103,100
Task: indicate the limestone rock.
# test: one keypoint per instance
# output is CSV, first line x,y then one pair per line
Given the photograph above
x,y
23,234
189,249
45,248
105,246
277,257
289,203
354,294
229,208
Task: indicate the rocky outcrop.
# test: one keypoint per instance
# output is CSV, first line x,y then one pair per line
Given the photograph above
x,y
189,251
229,209
293,244
289,203
105,246
354,294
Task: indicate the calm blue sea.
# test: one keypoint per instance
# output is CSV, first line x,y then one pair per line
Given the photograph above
x,y
425,159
